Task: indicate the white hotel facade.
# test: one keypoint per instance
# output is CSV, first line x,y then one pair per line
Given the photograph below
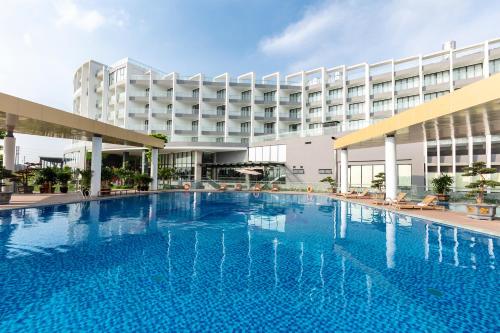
x,y
291,119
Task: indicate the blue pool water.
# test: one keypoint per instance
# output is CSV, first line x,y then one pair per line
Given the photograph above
x,y
241,261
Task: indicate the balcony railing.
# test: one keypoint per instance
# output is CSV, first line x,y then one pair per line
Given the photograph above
x,y
139,77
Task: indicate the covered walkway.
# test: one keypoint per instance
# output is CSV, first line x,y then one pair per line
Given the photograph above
x,y
22,116
473,110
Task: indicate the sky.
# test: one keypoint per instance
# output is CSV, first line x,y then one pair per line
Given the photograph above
x,y
43,42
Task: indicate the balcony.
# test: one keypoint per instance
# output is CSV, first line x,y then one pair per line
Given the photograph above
x,y
161,113
379,96
186,130
334,116
215,99
162,96
357,115
314,102
138,128
140,79
287,117
140,96
213,114
264,116
239,115
187,98
381,114
239,132
265,101
212,130
240,99
138,113
334,101
187,113
292,102
161,128
296,86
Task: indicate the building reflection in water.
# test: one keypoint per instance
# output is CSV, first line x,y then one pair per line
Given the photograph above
x,y
390,239
269,222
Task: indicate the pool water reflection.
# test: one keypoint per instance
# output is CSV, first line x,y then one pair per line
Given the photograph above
x,y
241,261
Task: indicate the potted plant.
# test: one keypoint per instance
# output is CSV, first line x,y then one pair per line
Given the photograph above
x,y
107,175
378,183
85,179
24,177
441,186
5,195
63,177
478,188
331,181
142,181
46,178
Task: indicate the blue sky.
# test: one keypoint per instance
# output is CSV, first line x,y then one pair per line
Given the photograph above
x,y
44,41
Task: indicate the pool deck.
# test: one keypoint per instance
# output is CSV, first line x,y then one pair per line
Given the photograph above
x,y
450,218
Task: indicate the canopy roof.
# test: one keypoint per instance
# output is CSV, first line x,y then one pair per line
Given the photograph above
x,y
473,110
36,119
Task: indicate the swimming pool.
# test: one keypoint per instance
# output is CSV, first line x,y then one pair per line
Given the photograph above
x,y
241,261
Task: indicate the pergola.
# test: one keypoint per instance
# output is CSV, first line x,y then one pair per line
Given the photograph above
x,y
26,117
470,111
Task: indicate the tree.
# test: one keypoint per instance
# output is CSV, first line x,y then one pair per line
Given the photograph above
x,y
378,181
478,187
442,184
150,150
330,181
167,174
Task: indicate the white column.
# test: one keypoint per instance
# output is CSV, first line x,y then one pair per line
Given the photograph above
x,y
391,180
95,166
9,148
470,146
488,151
454,162
343,170
154,169
197,165
143,161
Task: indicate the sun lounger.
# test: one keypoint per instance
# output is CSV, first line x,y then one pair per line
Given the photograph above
x,y
429,202
338,194
400,198
363,195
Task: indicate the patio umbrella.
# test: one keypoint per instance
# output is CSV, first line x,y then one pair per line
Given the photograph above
x,y
248,172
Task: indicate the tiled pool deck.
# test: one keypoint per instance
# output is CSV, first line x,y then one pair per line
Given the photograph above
x,y
447,217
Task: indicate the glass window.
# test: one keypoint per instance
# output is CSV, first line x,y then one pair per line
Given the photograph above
x,y
314,97
407,83
356,108
383,87
356,91
335,94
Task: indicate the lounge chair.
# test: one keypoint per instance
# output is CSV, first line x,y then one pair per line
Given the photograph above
x,y
275,188
400,198
343,194
429,202
237,187
257,188
363,195
222,187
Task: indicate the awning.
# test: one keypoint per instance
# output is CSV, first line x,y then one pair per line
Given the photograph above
x,y
473,110
248,172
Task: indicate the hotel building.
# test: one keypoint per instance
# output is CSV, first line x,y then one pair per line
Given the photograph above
x,y
286,124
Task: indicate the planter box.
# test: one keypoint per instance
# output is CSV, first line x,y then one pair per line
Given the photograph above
x,y
25,189
5,197
481,211
443,197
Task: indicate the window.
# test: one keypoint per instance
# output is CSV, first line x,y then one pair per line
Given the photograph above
x,y
269,112
194,126
431,96
315,112
356,91
195,108
298,171
244,140
246,95
169,108
295,97
315,126
293,127
384,105
147,92
270,96
468,72
436,78
169,125
219,139
362,175
294,113
120,74
194,139
383,87
494,66
245,111
221,94
245,127
221,109
335,94
356,108
111,78
408,102
195,93
314,97
335,110
219,126
325,171
274,153
408,83
269,128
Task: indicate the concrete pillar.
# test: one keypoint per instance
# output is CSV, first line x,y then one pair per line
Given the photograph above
x,y
143,162
125,158
391,177
197,165
154,169
343,171
95,165
9,148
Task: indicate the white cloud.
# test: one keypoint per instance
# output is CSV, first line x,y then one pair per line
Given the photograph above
x,y
71,14
351,31
28,41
